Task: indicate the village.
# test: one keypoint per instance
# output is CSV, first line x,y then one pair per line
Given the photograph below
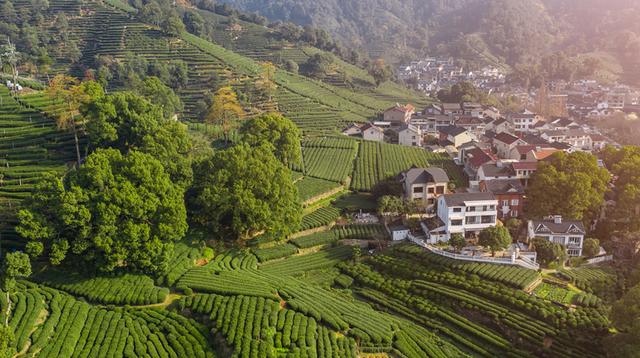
x,y
498,152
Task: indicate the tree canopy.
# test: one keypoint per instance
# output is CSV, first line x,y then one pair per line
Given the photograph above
x,y
495,238
225,110
153,89
115,211
278,131
458,241
244,191
590,247
571,185
625,166
547,251
625,315
127,121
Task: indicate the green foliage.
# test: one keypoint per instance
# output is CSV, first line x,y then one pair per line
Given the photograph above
x,y
274,252
320,217
495,238
548,252
571,185
159,94
14,265
122,289
590,247
242,191
309,187
126,121
278,131
458,241
315,239
115,211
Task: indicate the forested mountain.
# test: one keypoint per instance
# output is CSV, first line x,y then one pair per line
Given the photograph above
x,y
479,31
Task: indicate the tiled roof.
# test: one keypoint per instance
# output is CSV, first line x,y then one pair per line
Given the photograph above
x,y
452,130
524,165
564,227
505,137
501,186
493,170
425,175
477,157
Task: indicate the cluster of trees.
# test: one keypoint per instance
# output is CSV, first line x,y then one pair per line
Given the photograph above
x,y
124,206
39,35
571,185
466,92
624,164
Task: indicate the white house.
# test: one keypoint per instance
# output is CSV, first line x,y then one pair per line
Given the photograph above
x,y
464,213
399,232
569,233
371,132
504,142
410,136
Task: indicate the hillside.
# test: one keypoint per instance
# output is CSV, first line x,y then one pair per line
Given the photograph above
x,y
478,32
107,34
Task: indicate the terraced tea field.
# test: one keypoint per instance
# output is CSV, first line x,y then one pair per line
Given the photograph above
x,y
30,147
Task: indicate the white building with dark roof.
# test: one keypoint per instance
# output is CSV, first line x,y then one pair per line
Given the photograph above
x,y
465,213
569,233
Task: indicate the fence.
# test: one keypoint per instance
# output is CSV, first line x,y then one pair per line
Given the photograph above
x,y
598,259
518,261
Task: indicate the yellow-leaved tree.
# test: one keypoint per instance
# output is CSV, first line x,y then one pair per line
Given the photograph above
x,y
225,110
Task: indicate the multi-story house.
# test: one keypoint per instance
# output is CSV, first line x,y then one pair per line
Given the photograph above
x,y
523,122
372,132
399,114
455,136
464,213
431,123
424,184
410,136
569,233
510,195
504,142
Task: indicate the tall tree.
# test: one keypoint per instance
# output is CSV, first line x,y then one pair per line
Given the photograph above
x,y
380,71
571,185
68,91
225,110
458,241
495,238
114,211
15,265
266,82
278,131
10,56
127,121
243,191
625,316
159,94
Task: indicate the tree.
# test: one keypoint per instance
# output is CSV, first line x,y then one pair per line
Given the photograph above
x,y
546,251
173,25
6,342
127,121
193,22
291,66
380,71
10,56
496,238
68,91
116,211
243,191
591,247
390,206
319,64
458,241
514,225
225,110
159,94
279,132
625,316
571,185
266,81
15,265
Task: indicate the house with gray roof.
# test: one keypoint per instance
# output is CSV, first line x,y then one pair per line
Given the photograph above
x,y
568,233
424,184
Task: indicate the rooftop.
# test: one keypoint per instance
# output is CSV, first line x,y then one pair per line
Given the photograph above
x,y
510,186
505,137
452,130
557,225
459,199
425,175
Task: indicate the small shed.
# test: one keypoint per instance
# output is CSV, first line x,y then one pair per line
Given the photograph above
x,y
399,232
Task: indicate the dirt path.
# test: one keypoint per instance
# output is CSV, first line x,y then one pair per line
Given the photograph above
x,y
171,298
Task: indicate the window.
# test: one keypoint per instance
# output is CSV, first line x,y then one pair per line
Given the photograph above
x,y
431,201
430,190
573,252
488,219
514,202
492,207
574,240
440,189
505,203
456,222
558,240
471,209
471,220
514,213
418,189
457,210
